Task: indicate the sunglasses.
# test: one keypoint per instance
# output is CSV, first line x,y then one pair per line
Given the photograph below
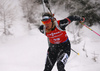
x,y
46,21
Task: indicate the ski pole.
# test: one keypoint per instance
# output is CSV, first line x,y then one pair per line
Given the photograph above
x,y
75,51
90,29
50,61
44,33
47,5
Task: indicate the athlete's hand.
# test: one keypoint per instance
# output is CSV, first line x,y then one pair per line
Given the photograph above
x,y
82,20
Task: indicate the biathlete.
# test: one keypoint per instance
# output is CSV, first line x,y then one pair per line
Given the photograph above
x,y
59,45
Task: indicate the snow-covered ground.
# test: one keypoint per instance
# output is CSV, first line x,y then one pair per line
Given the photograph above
x,y
28,53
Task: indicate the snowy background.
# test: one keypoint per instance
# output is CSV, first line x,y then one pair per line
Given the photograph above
x,y
26,49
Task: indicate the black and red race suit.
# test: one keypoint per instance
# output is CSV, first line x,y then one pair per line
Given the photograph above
x,y
59,46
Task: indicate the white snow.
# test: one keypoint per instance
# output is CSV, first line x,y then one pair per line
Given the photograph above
x,y
28,53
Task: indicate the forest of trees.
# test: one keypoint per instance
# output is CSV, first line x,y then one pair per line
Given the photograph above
x,y
7,16
87,8
90,9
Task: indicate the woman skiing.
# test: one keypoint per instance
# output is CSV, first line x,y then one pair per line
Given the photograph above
x,y
59,44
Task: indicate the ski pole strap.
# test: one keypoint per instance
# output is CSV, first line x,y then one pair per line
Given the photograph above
x,y
90,29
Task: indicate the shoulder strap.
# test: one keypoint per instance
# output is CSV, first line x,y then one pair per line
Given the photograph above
x,y
44,28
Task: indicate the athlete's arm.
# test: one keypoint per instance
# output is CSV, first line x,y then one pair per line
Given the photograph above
x,y
41,28
63,23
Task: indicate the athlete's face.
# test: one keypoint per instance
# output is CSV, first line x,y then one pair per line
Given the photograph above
x,y
48,25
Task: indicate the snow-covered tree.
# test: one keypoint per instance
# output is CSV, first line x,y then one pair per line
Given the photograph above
x,y
30,10
7,15
90,9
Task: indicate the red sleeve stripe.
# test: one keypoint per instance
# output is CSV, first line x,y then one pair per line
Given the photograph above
x,y
58,22
68,20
